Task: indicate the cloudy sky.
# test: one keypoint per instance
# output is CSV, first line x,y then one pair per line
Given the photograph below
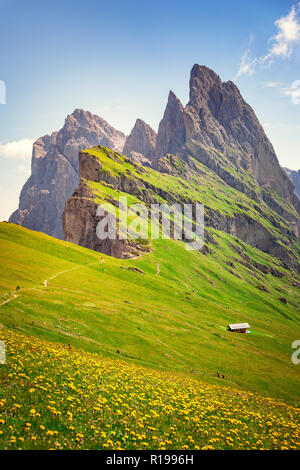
x,y
119,59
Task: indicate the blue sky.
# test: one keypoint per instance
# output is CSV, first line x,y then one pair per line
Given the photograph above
x,y
120,59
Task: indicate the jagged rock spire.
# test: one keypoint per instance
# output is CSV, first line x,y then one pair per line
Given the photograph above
x,y
142,141
171,131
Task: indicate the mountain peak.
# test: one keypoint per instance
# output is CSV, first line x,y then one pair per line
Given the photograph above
x,y
201,71
80,115
139,123
203,77
80,112
85,118
55,171
172,96
171,132
140,144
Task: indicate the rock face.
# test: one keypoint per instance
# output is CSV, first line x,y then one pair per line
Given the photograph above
x,y
80,221
140,144
80,217
55,173
295,178
218,128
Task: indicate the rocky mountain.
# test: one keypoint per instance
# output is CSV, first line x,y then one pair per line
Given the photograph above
x,y
216,129
55,172
220,130
295,178
140,144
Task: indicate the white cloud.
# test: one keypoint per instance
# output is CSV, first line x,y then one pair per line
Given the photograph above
x,y
272,84
281,44
247,65
19,149
288,34
293,91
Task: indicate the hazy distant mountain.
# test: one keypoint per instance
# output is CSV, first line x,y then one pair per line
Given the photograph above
x,y
295,178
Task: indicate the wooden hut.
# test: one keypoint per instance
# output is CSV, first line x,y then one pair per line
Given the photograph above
x,y
239,327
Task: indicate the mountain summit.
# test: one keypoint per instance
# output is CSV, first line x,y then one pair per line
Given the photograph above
x,y
140,144
222,131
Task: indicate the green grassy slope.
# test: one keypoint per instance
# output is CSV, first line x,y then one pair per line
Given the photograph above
x,y
173,317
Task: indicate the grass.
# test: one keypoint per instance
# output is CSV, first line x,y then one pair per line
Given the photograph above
x,y
54,397
168,321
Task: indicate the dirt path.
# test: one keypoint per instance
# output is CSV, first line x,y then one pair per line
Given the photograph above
x,y
8,300
169,347
45,283
158,269
58,274
69,270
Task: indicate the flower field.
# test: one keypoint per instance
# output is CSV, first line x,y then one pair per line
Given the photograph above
x,y
54,397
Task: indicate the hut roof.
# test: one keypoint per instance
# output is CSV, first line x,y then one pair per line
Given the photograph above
x,y
239,326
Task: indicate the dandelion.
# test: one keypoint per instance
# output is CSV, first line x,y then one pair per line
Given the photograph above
x,y
89,401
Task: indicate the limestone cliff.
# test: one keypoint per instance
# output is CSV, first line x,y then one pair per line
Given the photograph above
x,y
80,217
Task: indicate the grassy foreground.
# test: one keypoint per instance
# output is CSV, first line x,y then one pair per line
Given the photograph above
x,y
172,317
55,397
